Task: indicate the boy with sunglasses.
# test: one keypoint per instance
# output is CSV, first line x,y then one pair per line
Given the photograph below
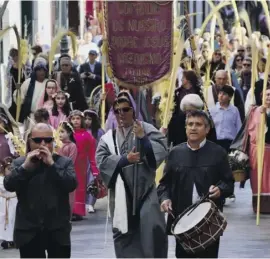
x,y
42,181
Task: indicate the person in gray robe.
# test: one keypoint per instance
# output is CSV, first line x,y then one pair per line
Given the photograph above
x,y
142,235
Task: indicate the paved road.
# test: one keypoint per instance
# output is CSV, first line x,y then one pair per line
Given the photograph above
x,y
242,238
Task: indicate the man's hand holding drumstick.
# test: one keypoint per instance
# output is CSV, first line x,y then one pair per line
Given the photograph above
x,y
166,206
214,192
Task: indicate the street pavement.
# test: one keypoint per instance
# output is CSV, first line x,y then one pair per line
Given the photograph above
x,y
242,238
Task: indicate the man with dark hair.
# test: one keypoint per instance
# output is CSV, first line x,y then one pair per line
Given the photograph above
x,y
141,235
246,75
12,75
226,118
192,170
91,73
42,182
35,51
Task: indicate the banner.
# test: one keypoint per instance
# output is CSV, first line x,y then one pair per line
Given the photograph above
x,y
140,40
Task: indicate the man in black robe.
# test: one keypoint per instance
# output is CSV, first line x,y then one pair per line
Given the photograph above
x,y
193,169
70,82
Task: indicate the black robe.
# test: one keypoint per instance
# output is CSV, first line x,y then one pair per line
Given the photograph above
x,y
204,167
72,84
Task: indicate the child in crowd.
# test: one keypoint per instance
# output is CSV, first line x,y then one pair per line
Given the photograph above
x,y
8,204
86,146
68,149
42,116
92,124
60,110
4,142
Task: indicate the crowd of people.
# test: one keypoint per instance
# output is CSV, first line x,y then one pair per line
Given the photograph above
x,y
67,150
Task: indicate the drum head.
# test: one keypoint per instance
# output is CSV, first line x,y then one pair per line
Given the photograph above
x,y
186,222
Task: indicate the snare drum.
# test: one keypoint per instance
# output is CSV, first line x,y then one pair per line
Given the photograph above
x,y
199,229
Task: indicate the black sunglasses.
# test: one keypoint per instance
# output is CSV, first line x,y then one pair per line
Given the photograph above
x,y
239,59
125,109
46,140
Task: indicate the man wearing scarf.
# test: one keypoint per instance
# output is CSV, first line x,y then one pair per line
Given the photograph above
x,y
70,82
32,89
142,235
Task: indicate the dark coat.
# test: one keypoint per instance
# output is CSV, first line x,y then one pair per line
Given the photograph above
x,y
213,69
43,199
72,84
89,83
204,167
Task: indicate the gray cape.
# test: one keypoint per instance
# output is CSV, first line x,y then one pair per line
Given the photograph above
x,y
146,236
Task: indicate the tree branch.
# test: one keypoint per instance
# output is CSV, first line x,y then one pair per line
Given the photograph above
x,y
3,8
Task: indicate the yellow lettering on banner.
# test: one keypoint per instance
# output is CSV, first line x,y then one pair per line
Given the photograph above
x,y
149,25
124,42
138,72
156,42
125,8
139,8
147,9
139,59
117,25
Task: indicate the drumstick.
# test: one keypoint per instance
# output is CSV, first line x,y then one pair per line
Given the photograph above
x,y
170,212
202,200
